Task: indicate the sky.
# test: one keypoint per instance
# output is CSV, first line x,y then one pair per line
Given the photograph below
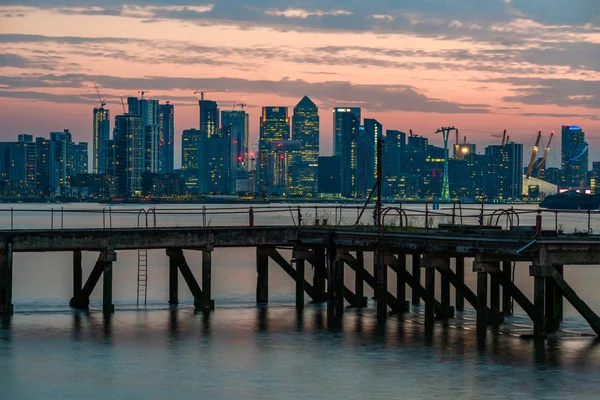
x,y
481,66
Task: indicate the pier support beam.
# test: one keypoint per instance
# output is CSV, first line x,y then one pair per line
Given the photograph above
x,y
200,302
335,284
482,292
460,276
107,290
299,283
429,298
77,273
507,303
359,282
207,302
445,311
319,275
6,279
495,317
416,274
173,281
539,320
380,270
262,275
401,302
82,299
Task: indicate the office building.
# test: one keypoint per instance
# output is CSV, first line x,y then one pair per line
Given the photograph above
x,y
394,147
130,158
190,167
219,158
274,125
100,134
61,158
367,155
595,178
285,160
504,179
329,176
574,157
148,112
305,130
166,145
80,158
338,114
349,126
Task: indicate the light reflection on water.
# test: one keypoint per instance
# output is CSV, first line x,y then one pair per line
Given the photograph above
x,y
276,353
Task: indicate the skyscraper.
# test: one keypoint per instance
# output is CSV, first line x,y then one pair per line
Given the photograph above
x,y
349,127
147,110
100,134
394,151
274,125
166,149
190,151
305,130
130,158
505,171
284,167
367,155
574,157
219,162
60,161
338,113
237,122
42,161
209,117
80,158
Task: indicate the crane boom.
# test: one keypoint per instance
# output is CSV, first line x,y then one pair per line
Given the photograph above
x,y
545,156
123,105
504,141
102,100
533,154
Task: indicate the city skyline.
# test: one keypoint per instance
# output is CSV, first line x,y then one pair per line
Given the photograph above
x,y
503,64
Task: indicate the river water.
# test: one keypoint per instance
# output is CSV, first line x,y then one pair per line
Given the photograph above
x,y
241,351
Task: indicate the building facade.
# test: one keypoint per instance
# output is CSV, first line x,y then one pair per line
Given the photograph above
x,y
338,113
100,134
274,125
574,156
305,130
166,146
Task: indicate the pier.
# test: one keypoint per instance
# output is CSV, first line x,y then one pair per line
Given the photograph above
x,y
326,250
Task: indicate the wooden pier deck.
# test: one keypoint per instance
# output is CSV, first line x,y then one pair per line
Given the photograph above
x,y
333,250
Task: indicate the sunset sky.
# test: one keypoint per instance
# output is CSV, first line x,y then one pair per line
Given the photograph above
x,y
480,65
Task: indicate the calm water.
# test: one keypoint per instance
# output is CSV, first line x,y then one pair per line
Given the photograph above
x,y
243,352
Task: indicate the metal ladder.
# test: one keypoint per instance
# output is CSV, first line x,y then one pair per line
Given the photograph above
x,y
142,272
142,276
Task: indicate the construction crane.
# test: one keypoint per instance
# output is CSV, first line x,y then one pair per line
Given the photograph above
x,y
533,154
504,138
142,92
242,105
545,156
203,92
167,102
102,99
123,105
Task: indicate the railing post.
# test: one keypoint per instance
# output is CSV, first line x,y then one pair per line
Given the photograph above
x,y
251,216
103,218
11,218
110,217
556,221
453,215
538,223
481,215
427,217
52,218
299,217
589,222
62,217
204,216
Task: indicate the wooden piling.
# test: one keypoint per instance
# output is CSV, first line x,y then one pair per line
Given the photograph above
x,y
482,294
401,283
262,278
319,274
77,273
539,297
507,303
6,279
551,306
380,269
208,302
107,289
173,281
416,273
299,283
359,282
447,311
429,298
460,276
495,318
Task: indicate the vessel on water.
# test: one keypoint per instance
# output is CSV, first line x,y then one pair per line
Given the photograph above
x,y
571,200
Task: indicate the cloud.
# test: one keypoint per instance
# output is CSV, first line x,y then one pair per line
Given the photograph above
x,y
593,117
554,91
13,60
371,97
303,14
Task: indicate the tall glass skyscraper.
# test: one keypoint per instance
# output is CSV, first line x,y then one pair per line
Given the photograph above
x,y
130,160
367,155
305,130
349,128
274,125
338,113
190,151
166,121
237,122
574,157
147,110
100,134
